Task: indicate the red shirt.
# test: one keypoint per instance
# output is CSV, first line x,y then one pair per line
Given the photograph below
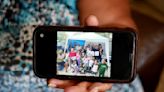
x,y
72,54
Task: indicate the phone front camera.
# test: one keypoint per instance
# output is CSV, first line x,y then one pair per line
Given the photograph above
x,y
41,35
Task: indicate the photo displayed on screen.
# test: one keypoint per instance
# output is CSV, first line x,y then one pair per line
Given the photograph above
x,y
84,53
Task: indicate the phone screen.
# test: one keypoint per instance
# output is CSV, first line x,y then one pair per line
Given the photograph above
x,y
90,54
84,53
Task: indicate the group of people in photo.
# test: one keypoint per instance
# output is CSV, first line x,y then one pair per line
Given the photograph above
x,y
85,60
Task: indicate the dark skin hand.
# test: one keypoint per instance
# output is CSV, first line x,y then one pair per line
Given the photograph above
x,y
102,13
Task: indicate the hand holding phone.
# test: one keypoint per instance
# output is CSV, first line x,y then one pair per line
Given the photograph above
x,y
88,53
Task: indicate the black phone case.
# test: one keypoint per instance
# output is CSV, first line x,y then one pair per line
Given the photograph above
x,y
88,78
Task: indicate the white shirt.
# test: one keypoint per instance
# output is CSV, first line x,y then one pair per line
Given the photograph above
x,y
85,61
91,63
95,68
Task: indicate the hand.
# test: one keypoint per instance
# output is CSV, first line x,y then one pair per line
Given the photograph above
x,y
76,86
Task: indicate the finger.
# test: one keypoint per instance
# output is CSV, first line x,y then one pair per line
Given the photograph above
x,y
76,89
60,83
91,21
84,84
100,87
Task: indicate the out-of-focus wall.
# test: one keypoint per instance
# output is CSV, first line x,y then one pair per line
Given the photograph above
x,y
151,8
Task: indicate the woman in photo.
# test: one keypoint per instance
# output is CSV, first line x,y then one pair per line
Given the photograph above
x,y
78,58
72,54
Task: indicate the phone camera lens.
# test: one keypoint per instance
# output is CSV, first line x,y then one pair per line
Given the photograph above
x,y
41,35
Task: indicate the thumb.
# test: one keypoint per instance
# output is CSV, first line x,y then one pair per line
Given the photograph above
x,y
91,21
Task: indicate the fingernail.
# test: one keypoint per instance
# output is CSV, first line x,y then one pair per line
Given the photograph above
x,y
52,85
92,21
94,90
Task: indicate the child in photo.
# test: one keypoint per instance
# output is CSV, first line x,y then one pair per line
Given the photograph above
x,y
82,69
91,62
74,67
102,68
95,67
85,63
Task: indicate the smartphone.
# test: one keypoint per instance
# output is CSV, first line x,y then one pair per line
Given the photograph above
x,y
85,53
